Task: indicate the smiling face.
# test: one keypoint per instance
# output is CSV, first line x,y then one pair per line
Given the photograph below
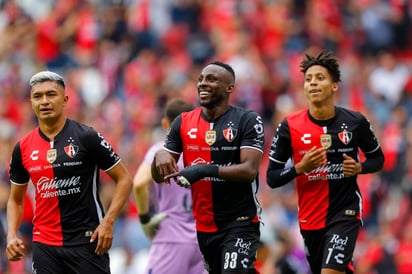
x,y
319,86
214,86
48,101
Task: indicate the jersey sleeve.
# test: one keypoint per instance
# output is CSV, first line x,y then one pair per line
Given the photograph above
x,y
173,141
370,146
281,147
101,151
254,136
369,142
17,173
280,151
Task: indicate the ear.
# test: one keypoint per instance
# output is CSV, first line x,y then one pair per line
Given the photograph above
x,y
66,99
335,87
230,88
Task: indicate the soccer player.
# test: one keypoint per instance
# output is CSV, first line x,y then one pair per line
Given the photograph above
x,y
222,147
172,229
324,141
62,158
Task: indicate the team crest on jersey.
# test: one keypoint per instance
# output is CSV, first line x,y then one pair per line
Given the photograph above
x,y
345,136
230,133
51,155
71,150
210,137
326,140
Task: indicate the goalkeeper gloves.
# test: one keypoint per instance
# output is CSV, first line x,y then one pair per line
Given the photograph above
x,y
150,224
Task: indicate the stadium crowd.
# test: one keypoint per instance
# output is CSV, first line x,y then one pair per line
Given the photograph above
x,y
123,59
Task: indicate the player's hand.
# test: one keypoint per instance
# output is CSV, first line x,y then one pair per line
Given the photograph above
x,y
313,158
165,165
350,166
150,228
104,236
15,250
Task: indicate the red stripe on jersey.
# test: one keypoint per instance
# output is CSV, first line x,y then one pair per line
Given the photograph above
x,y
313,186
196,151
47,226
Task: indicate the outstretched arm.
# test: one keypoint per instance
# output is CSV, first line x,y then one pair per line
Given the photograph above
x,y
244,172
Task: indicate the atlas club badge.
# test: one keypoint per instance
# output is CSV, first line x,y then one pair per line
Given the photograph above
x,y
51,155
345,136
230,134
210,137
71,150
326,140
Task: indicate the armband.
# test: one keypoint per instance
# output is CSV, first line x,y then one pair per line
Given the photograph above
x,y
192,174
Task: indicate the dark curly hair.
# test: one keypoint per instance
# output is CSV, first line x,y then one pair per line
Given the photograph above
x,y
325,59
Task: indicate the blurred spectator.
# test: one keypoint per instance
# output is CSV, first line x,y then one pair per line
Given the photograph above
x,y
376,251
387,81
376,17
403,254
394,146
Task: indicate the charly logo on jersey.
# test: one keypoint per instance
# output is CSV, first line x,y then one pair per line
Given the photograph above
x,y
35,155
192,133
230,133
305,138
345,136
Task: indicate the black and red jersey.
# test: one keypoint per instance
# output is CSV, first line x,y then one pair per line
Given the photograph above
x,y
218,203
325,195
65,175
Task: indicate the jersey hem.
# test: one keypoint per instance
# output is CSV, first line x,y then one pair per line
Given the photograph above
x,y
171,151
115,164
19,184
255,148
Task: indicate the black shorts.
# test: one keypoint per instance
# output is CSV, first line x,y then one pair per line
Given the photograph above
x,y
69,259
231,250
331,247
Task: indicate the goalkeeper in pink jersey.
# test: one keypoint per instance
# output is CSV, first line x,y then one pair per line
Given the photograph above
x,y
172,229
